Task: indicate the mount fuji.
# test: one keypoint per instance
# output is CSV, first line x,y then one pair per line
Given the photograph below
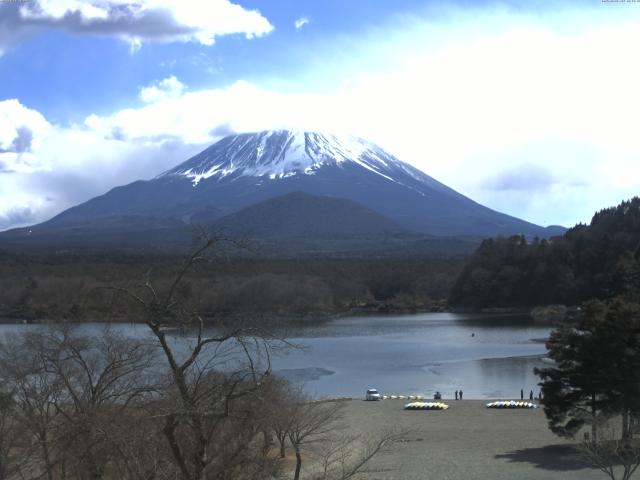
x,y
276,184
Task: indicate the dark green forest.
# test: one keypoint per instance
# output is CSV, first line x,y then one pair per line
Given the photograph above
x,y
599,260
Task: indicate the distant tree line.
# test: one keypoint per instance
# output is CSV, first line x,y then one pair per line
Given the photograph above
x,y
599,260
39,286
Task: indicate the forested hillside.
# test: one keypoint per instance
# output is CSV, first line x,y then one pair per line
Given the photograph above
x,y
598,260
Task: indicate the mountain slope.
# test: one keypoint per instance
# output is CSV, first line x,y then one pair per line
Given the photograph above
x,y
303,225
116,232
295,225
302,215
245,169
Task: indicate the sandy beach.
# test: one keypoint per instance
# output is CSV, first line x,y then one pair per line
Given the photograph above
x,y
467,441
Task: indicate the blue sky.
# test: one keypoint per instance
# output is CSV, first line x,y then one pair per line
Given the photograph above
x,y
67,76
527,107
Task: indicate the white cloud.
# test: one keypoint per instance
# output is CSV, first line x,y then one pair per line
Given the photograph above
x,y
131,144
66,165
464,102
169,87
479,94
21,133
469,102
58,9
192,116
134,21
300,22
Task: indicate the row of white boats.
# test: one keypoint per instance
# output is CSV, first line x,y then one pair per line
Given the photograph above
x,y
426,406
403,397
444,406
511,404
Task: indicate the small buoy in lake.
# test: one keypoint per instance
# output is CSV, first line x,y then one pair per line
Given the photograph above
x,y
473,334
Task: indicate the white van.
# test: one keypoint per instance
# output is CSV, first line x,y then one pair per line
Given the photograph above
x,y
372,394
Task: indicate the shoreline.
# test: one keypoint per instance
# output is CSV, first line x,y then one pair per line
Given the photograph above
x,y
289,319
426,394
540,315
286,318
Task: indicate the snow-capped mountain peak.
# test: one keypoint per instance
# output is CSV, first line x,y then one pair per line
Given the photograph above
x,y
277,154
284,180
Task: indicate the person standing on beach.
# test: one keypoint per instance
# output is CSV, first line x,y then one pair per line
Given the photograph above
x,y
531,395
456,394
521,394
460,394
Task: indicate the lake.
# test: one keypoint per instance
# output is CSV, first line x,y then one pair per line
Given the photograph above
x,y
487,356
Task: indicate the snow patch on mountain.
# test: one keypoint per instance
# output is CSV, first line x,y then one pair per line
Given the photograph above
x,y
278,154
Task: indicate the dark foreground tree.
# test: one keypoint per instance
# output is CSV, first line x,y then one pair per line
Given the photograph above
x,y
597,371
574,389
596,381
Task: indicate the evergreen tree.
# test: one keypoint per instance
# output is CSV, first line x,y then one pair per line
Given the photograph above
x,y
601,260
597,371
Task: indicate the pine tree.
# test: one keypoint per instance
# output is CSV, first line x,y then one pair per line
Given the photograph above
x,y
597,371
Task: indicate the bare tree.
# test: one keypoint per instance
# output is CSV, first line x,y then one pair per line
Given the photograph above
x,y
310,422
617,456
36,394
345,456
10,436
70,393
208,423
279,402
101,375
140,452
315,428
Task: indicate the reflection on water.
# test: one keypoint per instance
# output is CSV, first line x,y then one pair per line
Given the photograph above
x,y
487,356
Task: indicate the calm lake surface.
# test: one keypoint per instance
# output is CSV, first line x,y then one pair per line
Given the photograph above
x,y
487,356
